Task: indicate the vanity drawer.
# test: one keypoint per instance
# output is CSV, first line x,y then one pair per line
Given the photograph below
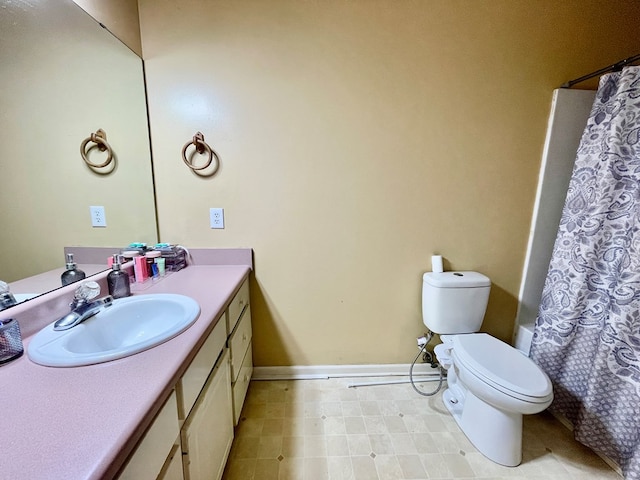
x,y
196,375
239,341
157,443
237,305
242,384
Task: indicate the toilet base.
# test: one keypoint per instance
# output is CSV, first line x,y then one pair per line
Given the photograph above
x,y
495,433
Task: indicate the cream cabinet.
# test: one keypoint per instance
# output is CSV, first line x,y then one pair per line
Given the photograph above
x,y
239,341
207,433
154,450
192,382
205,409
191,437
172,469
240,386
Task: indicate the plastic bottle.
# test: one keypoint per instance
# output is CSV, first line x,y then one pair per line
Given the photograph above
x,y
130,256
152,266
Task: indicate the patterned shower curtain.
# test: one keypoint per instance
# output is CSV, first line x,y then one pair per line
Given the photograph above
x,y
587,335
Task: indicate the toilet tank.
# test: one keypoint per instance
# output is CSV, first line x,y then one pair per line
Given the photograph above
x,y
454,302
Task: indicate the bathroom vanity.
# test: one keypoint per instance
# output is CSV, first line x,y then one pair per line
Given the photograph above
x,y
166,413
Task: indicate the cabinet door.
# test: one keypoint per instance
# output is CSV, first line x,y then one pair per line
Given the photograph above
x,y
208,432
242,384
152,451
172,470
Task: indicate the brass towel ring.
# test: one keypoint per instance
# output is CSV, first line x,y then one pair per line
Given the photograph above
x,y
99,138
201,147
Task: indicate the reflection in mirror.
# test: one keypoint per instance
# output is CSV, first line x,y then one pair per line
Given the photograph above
x,y
64,77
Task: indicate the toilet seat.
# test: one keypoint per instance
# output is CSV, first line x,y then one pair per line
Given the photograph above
x,y
502,367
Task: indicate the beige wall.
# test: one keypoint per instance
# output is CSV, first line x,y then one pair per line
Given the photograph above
x,y
120,17
63,77
357,138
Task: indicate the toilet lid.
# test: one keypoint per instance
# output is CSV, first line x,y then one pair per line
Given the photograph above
x,y
501,366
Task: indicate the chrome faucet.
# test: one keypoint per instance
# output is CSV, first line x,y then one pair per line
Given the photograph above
x,y
82,306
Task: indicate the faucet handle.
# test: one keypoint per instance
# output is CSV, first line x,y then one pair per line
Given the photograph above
x,y
6,297
86,291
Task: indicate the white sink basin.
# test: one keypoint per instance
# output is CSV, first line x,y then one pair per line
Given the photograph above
x,y
129,326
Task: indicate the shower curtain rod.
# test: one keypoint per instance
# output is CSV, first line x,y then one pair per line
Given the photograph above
x,y
616,67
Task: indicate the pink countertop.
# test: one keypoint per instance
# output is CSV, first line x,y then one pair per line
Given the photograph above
x,y
82,423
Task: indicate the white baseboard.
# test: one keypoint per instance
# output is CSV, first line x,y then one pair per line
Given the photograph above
x,y
309,372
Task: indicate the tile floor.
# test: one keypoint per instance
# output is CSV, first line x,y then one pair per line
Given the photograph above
x,y
322,429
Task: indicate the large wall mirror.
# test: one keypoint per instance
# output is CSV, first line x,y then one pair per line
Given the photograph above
x,y
64,77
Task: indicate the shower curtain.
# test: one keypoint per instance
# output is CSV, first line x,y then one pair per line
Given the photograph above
x,y
587,334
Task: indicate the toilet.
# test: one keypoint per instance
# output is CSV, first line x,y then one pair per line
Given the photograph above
x,y
490,384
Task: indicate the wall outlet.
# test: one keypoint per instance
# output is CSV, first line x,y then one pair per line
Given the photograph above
x,y
216,217
98,218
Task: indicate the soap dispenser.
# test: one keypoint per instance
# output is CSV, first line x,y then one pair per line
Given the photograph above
x,y
117,280
72,273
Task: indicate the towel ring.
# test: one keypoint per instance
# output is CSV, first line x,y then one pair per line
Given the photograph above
x,y
201,147
100,139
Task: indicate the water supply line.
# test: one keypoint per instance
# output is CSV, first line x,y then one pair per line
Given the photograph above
x,y
422,343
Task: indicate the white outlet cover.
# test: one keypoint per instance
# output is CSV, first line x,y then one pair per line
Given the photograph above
x,y
216,217
98,217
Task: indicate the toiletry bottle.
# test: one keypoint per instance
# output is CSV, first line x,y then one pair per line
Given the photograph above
x,y
152,266
130,256
160,262
72,273
140,269
117,280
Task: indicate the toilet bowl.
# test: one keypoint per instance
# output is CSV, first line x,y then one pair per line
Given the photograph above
x,y
490,386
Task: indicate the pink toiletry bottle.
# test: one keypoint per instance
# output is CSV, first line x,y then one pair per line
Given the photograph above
x,y
140,269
